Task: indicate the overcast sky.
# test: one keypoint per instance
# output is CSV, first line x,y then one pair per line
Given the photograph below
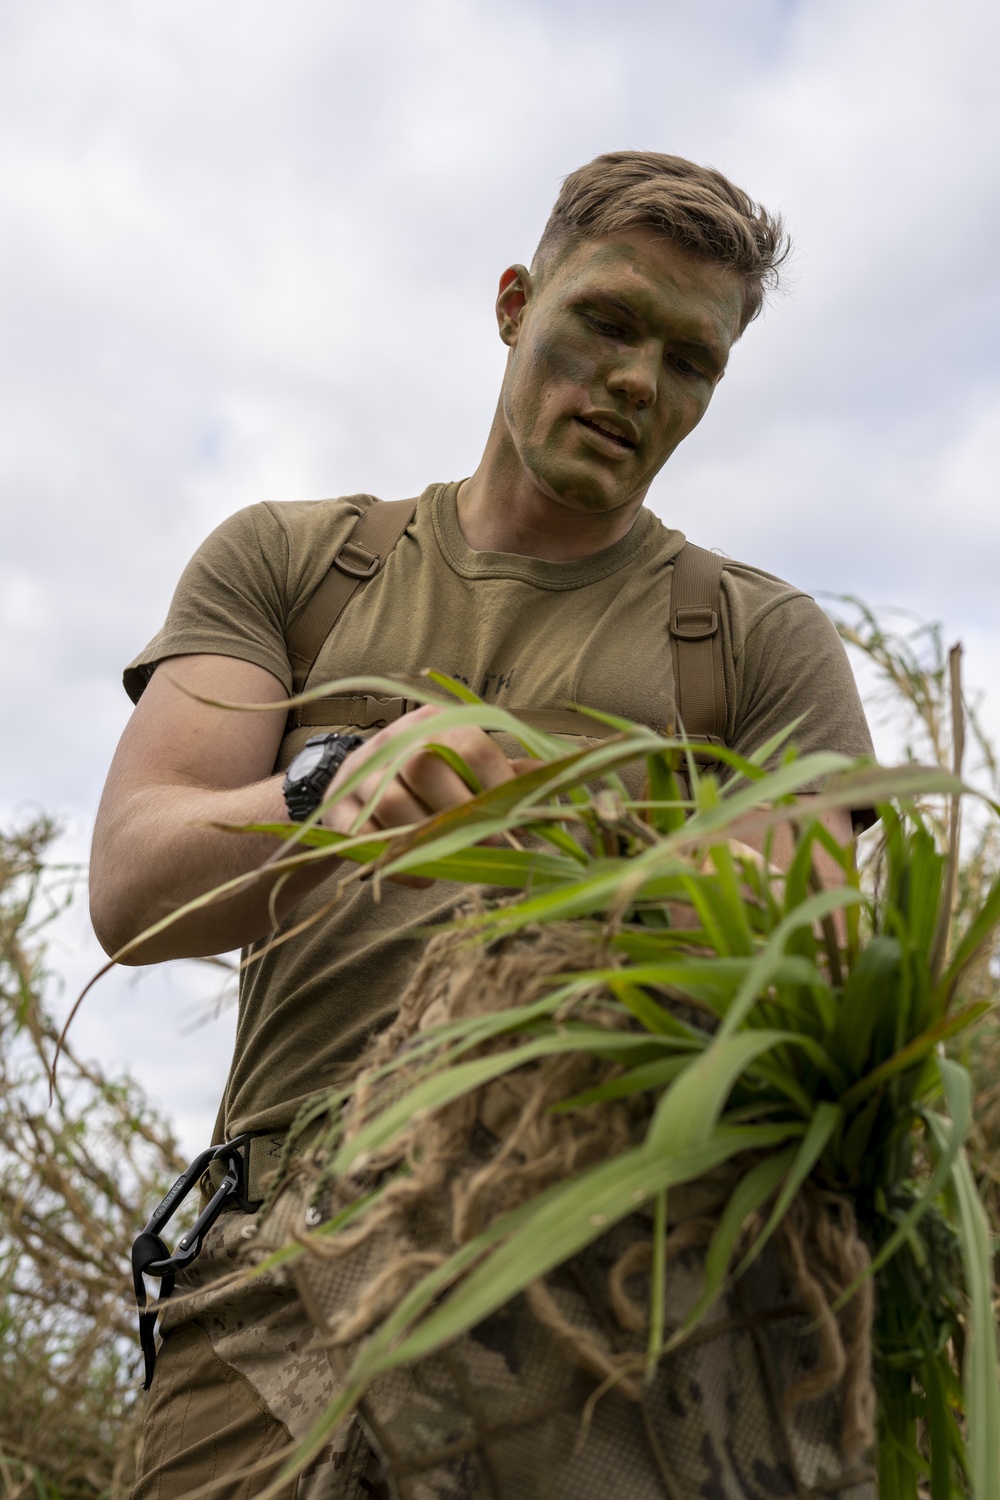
x,y
250,251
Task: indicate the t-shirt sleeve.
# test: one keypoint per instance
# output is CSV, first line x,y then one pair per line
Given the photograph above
x,y
230,601
793,665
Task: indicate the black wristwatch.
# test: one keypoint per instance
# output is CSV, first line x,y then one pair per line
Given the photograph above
x,y
312,770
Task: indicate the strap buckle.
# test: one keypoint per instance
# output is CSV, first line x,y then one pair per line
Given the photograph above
x,y
357,561
694,622
342,712
382,711
150,1256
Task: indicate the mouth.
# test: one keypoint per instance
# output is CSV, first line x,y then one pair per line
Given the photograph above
x,y
619,436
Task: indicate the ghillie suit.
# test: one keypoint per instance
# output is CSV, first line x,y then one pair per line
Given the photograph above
x,y
768,1395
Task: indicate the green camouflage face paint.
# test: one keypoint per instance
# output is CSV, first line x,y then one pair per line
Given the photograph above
x,y
614,359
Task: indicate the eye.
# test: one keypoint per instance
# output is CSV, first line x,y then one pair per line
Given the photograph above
x,y
684,365
609,330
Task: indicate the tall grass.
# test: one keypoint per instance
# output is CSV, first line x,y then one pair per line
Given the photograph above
x,y
78,1176
822,1054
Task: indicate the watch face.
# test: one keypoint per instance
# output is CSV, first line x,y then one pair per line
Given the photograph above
x,y
306,761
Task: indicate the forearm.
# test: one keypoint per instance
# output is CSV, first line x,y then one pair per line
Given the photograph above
x,y
157,850
185,764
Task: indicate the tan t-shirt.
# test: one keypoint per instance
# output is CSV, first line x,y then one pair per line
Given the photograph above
x,y
523,633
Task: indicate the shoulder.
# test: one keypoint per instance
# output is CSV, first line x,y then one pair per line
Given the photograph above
x,y
771,623
247,580
761,603
282,546
786,662
308,520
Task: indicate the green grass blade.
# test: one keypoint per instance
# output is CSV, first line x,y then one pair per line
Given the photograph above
x,y
564,1222
751,1191
651,1075
462,770
818,1133
871,987
732,906
657,1285
451,685
982,1391
655,1018
689,1111
667,813
764,968
948,1136
938,1428
913,1052
451,1080
973,941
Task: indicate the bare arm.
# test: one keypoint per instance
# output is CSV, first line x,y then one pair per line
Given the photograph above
x,y
837,821
182,766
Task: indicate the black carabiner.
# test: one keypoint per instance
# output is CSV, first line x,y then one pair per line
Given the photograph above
x,y
150,1256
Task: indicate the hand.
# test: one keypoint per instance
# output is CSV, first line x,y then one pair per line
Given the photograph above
x,y
426,784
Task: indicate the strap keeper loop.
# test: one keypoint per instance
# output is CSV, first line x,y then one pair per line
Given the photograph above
x,y
694,622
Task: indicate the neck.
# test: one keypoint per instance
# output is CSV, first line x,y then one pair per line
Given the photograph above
x,y
502,509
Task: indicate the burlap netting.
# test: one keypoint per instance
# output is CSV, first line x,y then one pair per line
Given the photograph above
x,y
770,1396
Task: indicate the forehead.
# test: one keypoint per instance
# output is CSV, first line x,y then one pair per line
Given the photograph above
x,y
656,279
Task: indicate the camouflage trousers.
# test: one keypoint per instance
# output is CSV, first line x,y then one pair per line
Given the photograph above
x,y
499,1414
238,1381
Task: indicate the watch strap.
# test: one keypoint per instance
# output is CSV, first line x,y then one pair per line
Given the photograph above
x,y
303,794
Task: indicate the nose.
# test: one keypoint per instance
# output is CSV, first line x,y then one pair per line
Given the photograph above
x,y
636,374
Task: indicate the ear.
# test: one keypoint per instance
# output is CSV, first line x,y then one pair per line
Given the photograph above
x,y
516,287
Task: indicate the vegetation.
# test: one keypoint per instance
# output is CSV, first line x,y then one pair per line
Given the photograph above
x,y
864,1061
819,1054
77,1175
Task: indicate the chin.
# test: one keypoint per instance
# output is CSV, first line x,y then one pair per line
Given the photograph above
x,y
578,487
583,493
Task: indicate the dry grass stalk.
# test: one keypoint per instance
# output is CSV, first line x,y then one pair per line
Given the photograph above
x,y
76,1178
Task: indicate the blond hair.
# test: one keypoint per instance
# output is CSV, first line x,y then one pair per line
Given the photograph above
x,y
696,208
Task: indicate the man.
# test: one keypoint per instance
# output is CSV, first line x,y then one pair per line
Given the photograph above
x,y
541,580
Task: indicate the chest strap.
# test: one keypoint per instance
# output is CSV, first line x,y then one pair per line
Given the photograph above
x,y
369,712
376,532
696,644
695,638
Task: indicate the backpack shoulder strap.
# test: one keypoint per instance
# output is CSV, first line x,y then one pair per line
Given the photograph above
x,y
696,644
376,532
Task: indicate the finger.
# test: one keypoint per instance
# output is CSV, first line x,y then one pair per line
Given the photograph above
x,y
438,786
396,808
396,805
341,818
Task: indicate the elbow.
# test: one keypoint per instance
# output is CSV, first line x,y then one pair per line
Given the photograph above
x,y
113,924
120,908
119,898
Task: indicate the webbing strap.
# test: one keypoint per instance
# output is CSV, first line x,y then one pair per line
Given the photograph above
x,y
695,638
696,643
342,710
564,721
376,532
369,712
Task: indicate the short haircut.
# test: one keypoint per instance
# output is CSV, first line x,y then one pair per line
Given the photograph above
x,y
696,208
